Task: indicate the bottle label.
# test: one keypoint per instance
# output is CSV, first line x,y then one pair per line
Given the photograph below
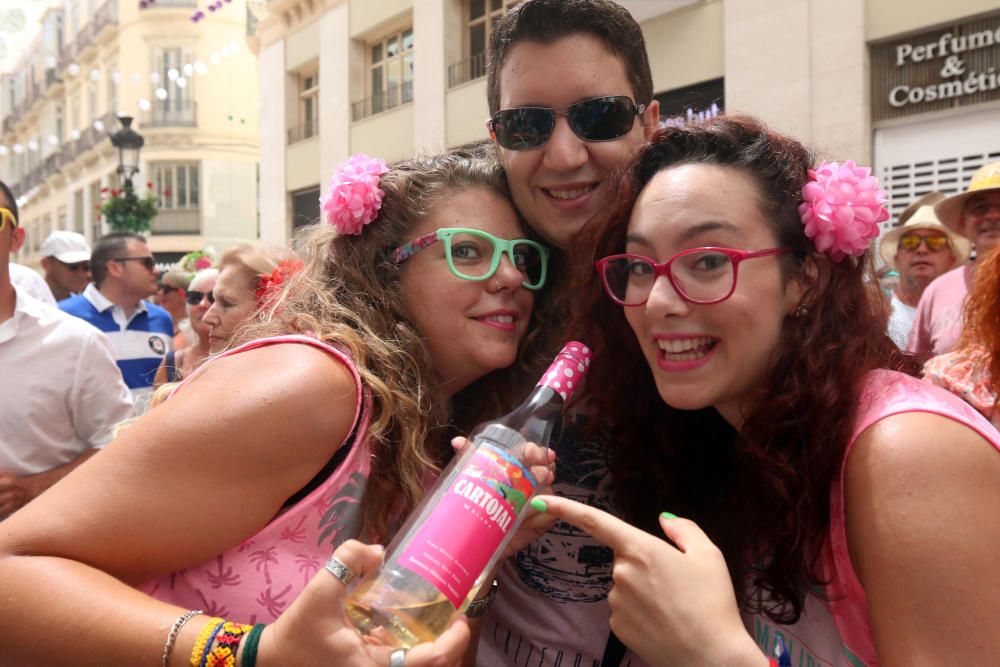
x,y
471,520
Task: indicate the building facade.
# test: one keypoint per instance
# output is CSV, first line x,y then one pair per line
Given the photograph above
x,y
191,87
398,77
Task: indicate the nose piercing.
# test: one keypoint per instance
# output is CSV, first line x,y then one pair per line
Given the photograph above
x,y
500,286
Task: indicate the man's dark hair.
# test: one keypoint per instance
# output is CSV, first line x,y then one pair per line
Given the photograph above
x,y
106,249
546,21
11,202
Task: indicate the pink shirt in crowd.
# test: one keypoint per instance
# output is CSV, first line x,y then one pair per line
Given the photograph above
x,y
256,580
836,630
938,324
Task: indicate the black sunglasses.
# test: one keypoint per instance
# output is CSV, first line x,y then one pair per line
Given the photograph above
x,y
193,298
598,119
146,261
76,266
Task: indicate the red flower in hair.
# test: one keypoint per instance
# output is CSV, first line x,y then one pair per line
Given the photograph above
x,y
268,285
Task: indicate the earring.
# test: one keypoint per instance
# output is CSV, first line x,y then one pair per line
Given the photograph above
x,y
799,312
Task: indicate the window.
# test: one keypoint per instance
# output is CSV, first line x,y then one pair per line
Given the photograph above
x,y
92,100
59,129
391,71
308,112
482,14
305,207
177,184
178,108
112,87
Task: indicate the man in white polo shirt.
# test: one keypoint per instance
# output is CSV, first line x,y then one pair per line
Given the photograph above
x,y
60,390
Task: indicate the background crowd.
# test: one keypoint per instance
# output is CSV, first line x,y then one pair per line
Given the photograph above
x,y
765,368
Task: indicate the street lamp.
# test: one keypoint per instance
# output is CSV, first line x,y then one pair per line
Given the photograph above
x,y
129,143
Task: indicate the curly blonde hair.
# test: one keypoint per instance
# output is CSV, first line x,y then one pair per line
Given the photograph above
x,y
348,295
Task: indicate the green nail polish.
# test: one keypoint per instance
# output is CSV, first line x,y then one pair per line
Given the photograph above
x,y
667,515
539,505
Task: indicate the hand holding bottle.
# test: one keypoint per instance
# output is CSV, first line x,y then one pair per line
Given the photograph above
x,y
315,629
541,463
453,539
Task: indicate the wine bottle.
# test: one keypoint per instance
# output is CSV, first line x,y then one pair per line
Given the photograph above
x,y
436,563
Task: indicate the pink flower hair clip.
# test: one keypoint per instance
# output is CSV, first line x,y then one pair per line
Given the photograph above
x,y
354,197
842,208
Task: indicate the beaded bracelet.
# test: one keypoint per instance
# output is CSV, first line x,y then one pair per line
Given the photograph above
x,y
225,645
175,630
249,658
204,642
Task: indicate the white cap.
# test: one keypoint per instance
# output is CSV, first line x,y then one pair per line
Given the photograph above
x,y
67,247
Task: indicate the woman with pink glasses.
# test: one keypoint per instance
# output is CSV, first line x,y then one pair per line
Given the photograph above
x,y
831,506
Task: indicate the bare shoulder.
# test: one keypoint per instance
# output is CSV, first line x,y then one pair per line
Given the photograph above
x,y
921,493
308,385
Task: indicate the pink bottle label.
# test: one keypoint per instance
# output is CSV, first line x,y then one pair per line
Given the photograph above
x,y
469,523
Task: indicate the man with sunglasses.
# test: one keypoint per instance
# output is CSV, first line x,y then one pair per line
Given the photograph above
x,y
920,249
60,390
571,100
141,333
570,97
975,215
66,261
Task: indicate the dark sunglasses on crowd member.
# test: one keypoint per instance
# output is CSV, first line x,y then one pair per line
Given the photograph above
x,y
194,297
597,119
146,261
913,241
75,266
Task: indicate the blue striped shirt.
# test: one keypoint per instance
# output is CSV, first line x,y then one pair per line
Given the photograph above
x,y
139,342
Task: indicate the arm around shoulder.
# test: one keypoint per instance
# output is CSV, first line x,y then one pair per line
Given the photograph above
x,y
921,493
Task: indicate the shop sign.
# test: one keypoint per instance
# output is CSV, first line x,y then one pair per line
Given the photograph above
x,y
949,67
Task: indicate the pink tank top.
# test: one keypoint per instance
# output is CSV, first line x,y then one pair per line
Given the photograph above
x,y
256,580
837,631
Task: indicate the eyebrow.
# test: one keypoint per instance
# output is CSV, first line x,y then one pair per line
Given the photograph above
x,y
692,232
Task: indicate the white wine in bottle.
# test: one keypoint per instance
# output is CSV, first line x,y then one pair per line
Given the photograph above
x,y
436,562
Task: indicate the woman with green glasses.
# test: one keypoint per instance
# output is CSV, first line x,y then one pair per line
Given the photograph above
x,y
220,506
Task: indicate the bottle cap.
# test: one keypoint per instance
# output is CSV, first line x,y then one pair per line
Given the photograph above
x,y
568,369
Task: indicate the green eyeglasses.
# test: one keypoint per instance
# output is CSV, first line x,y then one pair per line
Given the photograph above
x,y
473,254
7,216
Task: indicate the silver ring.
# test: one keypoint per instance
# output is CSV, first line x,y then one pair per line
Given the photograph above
x,y
398,658
336,567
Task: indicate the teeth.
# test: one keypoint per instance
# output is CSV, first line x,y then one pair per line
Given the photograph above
x,y
502,319
675,347
570,194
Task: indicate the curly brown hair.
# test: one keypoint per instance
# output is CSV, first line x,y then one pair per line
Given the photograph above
x,y
982,313
761,494
348,294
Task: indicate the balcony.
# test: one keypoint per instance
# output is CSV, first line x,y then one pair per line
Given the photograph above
x,y
106,15
84,39
177,221
51,78
304,131
382,101
467,70
172,113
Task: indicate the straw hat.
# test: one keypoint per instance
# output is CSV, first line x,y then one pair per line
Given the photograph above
x,y
923,218
929,199
950,211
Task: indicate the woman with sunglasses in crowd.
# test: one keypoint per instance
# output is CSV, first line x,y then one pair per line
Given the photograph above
x,y
972,371
198,299
223,503
830,506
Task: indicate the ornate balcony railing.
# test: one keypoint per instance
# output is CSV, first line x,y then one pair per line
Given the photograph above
x,y
172,113
467,70
303,131
177,221
382,101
